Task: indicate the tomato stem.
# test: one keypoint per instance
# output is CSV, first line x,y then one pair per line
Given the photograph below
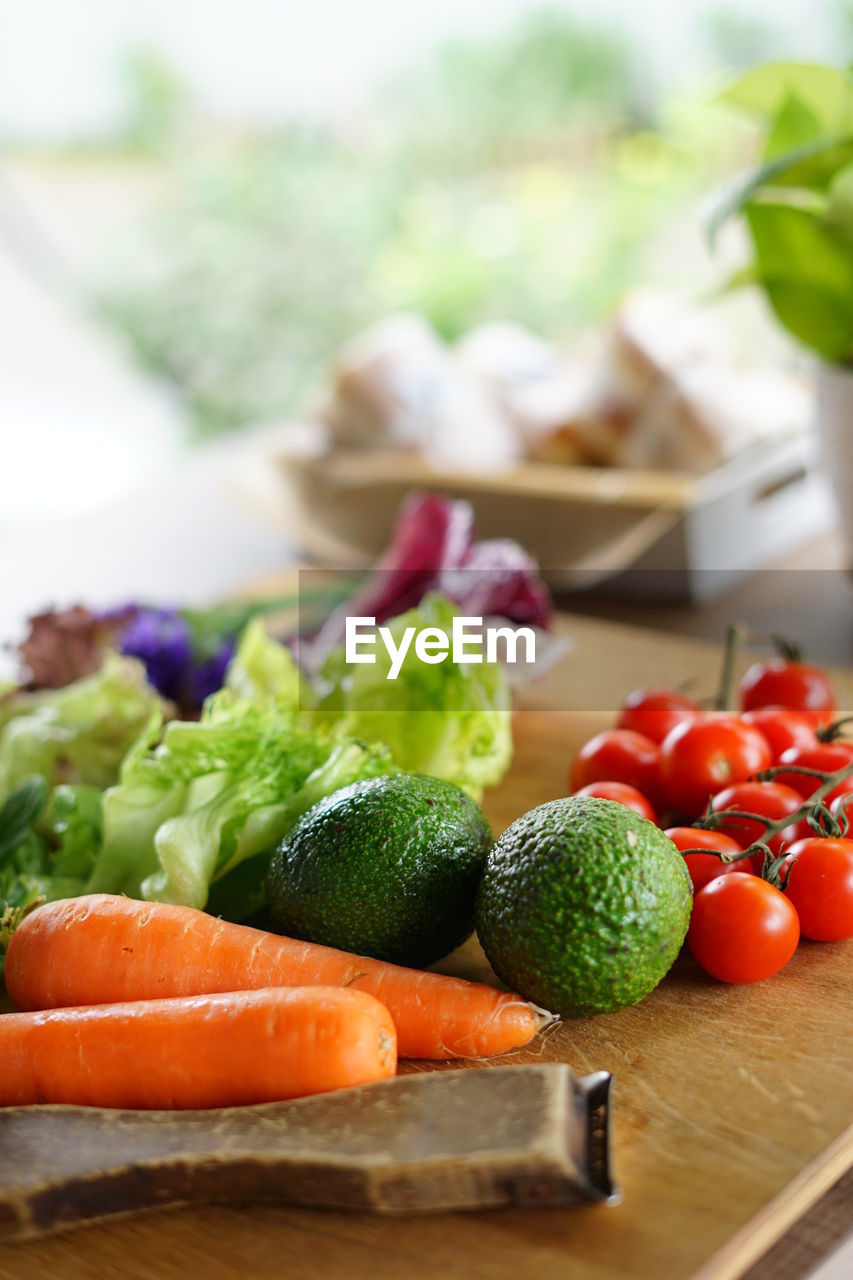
x,y
830,732
787,649
811,807
823,822
770,775
736,634
843,815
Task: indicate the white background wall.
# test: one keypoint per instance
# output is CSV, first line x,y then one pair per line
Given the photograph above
x,y
262,59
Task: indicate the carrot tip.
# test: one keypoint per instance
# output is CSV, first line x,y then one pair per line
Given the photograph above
x,y
545,1018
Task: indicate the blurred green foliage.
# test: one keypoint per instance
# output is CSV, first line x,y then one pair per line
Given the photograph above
x,y
521,177
492,102
798,204
156,99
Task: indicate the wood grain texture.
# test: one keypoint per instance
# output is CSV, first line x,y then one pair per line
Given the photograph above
x,y
807,1243
727,1099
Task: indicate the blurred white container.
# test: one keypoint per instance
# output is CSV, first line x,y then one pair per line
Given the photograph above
x,y
834,387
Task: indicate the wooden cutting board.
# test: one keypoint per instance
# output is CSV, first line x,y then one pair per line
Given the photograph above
x,y
733,1106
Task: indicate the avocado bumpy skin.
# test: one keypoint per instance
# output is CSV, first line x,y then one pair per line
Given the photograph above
x,y
583,906
388,867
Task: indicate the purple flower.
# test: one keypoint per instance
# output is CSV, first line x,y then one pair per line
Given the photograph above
x,y
206,677
161,639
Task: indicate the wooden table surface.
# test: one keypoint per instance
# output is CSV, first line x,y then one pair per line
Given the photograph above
x,y
733,1105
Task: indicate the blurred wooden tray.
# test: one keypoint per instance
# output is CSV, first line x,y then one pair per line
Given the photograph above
x,y
582,524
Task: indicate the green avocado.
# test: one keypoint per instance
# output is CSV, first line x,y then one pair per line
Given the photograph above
x,y
583,906
388,867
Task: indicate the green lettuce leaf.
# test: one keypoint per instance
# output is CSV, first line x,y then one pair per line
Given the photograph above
x,y
58,749
263,669
77,734
22,856
445,719
19,813
48,846
72,823
194,803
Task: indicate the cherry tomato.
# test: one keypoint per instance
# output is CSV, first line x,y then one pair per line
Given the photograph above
x,y
698,757
783,728
825,756
767,799
653,712
776,682
820,885
742,929
617,755
630,797
704,867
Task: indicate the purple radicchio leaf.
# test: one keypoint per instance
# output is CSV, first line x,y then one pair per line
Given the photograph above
x,y
431,533
432,549
498,578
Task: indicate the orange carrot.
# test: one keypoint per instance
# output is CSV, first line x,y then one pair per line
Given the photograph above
x,y
101,949
198,1051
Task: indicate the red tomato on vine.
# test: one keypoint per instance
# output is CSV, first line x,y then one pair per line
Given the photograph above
x,y
771,800
630,797
783,727
824,757
742,929
617,755
819,883
654,712
700,757
704,867
778,682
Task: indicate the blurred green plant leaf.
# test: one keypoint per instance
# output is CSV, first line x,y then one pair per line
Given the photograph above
x,y
738,280
838,215
794,126
798,204
811,166
807,275
825,92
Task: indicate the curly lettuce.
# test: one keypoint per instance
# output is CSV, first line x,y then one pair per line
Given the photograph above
x,y
449,720
264,670
200,799
80,733
446,719
58,749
